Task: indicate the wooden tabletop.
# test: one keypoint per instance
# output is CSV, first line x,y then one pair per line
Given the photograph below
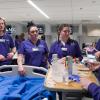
x,y
70,85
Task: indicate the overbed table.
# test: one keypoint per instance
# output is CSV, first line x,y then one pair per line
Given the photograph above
x,y
71,88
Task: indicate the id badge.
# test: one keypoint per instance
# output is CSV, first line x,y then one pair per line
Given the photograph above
x,y
35,49
64,49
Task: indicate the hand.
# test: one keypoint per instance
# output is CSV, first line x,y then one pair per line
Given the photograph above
x,y
97,54
10,55
93,65
85,82
2,58
21,71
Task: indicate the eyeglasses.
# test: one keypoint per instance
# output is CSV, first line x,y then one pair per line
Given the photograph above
x,y
34,31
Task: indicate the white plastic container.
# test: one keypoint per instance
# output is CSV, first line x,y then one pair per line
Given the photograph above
x,y
57,69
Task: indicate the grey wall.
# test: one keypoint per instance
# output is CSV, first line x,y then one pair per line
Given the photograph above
x,y
83,33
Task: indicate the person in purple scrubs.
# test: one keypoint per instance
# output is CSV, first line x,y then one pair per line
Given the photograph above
x,y
92,87
7,47
65,46
97,54
98,45
33,50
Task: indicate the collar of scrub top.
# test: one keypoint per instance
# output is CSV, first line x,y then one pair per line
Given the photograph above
x,y
63,43
37,43
2,36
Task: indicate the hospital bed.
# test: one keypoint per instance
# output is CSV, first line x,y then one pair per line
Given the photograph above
x,y
9,70
28,87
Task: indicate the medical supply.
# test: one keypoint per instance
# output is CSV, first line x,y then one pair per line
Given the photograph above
x,y
68,69
57,69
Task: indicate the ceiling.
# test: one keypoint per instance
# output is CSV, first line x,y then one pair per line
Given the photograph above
x,y
59,11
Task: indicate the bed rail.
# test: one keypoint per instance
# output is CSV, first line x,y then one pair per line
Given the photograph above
x,y
30,70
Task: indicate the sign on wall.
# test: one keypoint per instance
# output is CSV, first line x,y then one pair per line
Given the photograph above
x,y
10,29
41,28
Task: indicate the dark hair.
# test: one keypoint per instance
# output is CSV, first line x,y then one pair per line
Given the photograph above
x,y
60,27
4,23
16,36
43,37
29,25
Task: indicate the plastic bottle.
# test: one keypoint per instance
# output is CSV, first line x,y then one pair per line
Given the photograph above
x,y
68,69
54,66
70,64
54,58
54,61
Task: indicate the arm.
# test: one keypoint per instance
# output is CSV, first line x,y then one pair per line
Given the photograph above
x,y
98,45
11,54
97,54
2,58
12,47
20,60
20,64
95,66
94,89
91,87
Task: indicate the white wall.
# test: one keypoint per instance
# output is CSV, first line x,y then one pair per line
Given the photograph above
x,y
93,30
90,33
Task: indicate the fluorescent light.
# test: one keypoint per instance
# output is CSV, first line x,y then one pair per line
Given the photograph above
x,y
37,8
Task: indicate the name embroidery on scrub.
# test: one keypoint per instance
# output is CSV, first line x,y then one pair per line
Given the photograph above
x,y
35,49
2,40
64,49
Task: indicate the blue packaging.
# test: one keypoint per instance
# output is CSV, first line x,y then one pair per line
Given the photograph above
x,y
75,78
